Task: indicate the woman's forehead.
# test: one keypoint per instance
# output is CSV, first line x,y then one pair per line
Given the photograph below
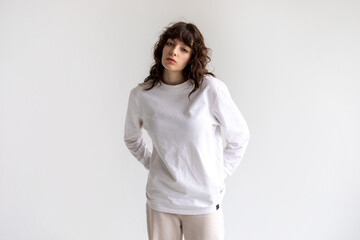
x,y
176,40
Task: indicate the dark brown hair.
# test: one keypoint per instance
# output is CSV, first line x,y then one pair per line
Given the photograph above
x,y
195,69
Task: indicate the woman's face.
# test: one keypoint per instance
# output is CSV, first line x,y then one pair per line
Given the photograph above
x,y
175,55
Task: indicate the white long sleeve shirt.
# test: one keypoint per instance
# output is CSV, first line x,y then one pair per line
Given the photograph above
x,y
188,164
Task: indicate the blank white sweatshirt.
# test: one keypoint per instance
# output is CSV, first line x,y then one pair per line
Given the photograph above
x,y
187,165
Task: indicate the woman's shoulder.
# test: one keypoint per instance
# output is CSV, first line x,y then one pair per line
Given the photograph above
x,y
213,83
140,87
137,91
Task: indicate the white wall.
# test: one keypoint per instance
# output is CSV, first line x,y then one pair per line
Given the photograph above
x,y
66,69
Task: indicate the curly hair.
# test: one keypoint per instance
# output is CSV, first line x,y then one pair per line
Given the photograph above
x,y
196,67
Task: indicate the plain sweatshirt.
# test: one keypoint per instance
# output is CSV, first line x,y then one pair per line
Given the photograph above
x,y
187,163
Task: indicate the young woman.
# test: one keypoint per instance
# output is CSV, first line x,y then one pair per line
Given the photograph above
x,y
182,107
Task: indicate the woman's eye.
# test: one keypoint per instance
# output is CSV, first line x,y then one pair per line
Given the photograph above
x,y
185,50
169,43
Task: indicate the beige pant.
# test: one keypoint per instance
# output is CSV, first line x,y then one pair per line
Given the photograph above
x,y
168,226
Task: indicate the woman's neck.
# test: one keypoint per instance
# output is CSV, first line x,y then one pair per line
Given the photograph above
x,y
173,78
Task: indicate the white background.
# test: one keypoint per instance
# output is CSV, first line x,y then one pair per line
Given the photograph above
x,y
66,70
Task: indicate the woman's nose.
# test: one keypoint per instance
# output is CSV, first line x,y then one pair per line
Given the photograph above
x,y
174,51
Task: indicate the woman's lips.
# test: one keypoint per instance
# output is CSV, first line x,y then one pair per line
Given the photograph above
x,y
171,60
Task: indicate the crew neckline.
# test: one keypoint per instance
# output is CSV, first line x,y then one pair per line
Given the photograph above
x,y
185,84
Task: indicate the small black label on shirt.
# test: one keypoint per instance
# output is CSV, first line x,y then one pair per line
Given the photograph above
x,y
217,207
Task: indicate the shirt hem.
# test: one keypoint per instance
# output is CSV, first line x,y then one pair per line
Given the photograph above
x,y
183,211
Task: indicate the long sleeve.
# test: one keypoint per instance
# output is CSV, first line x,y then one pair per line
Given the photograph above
x,y
133,132
236,130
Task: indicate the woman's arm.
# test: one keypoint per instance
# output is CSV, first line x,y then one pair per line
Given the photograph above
x,y
133,132
236,130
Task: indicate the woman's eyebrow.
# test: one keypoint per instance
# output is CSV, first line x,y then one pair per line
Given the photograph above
x,y
180,42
